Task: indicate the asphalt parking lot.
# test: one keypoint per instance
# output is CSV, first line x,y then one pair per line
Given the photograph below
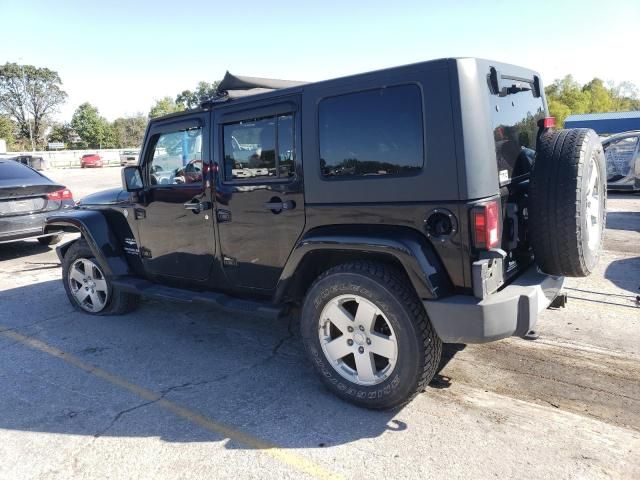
x,y
187,391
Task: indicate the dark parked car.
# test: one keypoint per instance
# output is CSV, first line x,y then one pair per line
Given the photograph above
x,y
398,209
91,160
35,162
622,152
26,198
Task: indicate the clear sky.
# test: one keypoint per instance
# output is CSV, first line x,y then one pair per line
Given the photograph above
x,y
122,55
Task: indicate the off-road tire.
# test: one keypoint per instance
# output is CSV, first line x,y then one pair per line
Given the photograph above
x,y
558,201
419,347
118,302
50,240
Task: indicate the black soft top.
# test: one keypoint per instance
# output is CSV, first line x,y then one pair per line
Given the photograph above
x,y
234,86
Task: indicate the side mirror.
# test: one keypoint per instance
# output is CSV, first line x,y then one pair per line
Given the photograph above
x,y
132,179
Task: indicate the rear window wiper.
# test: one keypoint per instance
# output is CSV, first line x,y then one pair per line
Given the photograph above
x,y
504,85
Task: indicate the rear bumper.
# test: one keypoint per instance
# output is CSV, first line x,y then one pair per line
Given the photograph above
x,y
511,311
20,227
24,235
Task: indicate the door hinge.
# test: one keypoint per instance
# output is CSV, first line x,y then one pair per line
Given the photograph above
x,y
223,216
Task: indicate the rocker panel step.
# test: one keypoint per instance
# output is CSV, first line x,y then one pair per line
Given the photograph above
x,y
146,288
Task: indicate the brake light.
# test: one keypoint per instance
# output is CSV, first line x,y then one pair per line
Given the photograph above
x,y
63,194
486,225
547,122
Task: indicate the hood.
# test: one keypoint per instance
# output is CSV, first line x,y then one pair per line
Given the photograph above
x,y
105,197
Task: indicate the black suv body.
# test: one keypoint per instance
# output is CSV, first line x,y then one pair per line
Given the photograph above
x,y
407,185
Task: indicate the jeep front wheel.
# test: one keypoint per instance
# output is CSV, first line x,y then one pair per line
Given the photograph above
x,y
368,335
87,286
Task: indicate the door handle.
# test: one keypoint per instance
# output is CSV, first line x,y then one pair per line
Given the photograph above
x,y
197,207
278,206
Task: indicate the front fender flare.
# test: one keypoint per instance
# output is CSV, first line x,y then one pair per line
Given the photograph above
x,y
408,247
94,228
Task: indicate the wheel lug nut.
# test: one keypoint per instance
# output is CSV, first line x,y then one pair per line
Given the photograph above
x,y
368,341
350,329
349,342
361,349
361,328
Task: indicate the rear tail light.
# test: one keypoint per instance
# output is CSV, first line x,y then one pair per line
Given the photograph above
x,y
63,194
486,225
547,122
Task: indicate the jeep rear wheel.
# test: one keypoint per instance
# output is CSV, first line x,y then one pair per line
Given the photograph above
x,y
567,202
368,336
87,286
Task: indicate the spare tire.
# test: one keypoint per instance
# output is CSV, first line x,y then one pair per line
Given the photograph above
x,y
567,201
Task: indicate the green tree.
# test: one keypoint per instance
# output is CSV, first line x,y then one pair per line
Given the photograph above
x,y
566,97
93,130
7,128
164,106
129,131
192,99
29,95
624,96
63,132
600,96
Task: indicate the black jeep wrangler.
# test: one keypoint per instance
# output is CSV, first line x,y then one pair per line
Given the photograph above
x,y
400,209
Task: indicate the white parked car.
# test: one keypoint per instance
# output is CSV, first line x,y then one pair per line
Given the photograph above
x,y
129,157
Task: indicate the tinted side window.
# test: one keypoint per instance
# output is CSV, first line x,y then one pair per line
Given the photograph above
x,y
177,158
259,148
375,132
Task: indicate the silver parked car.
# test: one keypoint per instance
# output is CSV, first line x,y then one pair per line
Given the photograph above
x,y
622,152
129,157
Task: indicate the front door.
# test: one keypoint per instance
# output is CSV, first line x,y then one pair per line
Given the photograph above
x,y
174,212
260,202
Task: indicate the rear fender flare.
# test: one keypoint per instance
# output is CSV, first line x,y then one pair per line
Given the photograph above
x,y
406,246
94,228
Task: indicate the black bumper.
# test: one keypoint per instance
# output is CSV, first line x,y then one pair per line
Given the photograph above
x,y
511,311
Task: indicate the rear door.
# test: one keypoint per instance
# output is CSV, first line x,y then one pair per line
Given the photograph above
x,y
259,190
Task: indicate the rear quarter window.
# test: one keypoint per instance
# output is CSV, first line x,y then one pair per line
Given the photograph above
x,y
371,133
12,170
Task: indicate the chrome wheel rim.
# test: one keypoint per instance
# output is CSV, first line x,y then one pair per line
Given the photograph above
x,y
88,285
358,340
593,206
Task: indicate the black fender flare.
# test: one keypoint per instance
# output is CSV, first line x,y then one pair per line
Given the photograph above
x,y
408,247
94,228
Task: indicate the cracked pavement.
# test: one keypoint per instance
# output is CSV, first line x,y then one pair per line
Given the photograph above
x,y
564,406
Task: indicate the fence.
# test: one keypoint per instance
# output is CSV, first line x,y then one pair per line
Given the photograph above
x,y
71,158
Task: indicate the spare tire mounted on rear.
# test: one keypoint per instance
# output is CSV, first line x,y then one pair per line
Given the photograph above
x,y
567,201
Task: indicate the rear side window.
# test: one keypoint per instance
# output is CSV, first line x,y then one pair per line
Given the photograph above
x,y
259,148
372,133
12,170
620,156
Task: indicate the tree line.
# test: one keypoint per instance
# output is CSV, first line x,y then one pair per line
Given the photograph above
x,y
30,96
